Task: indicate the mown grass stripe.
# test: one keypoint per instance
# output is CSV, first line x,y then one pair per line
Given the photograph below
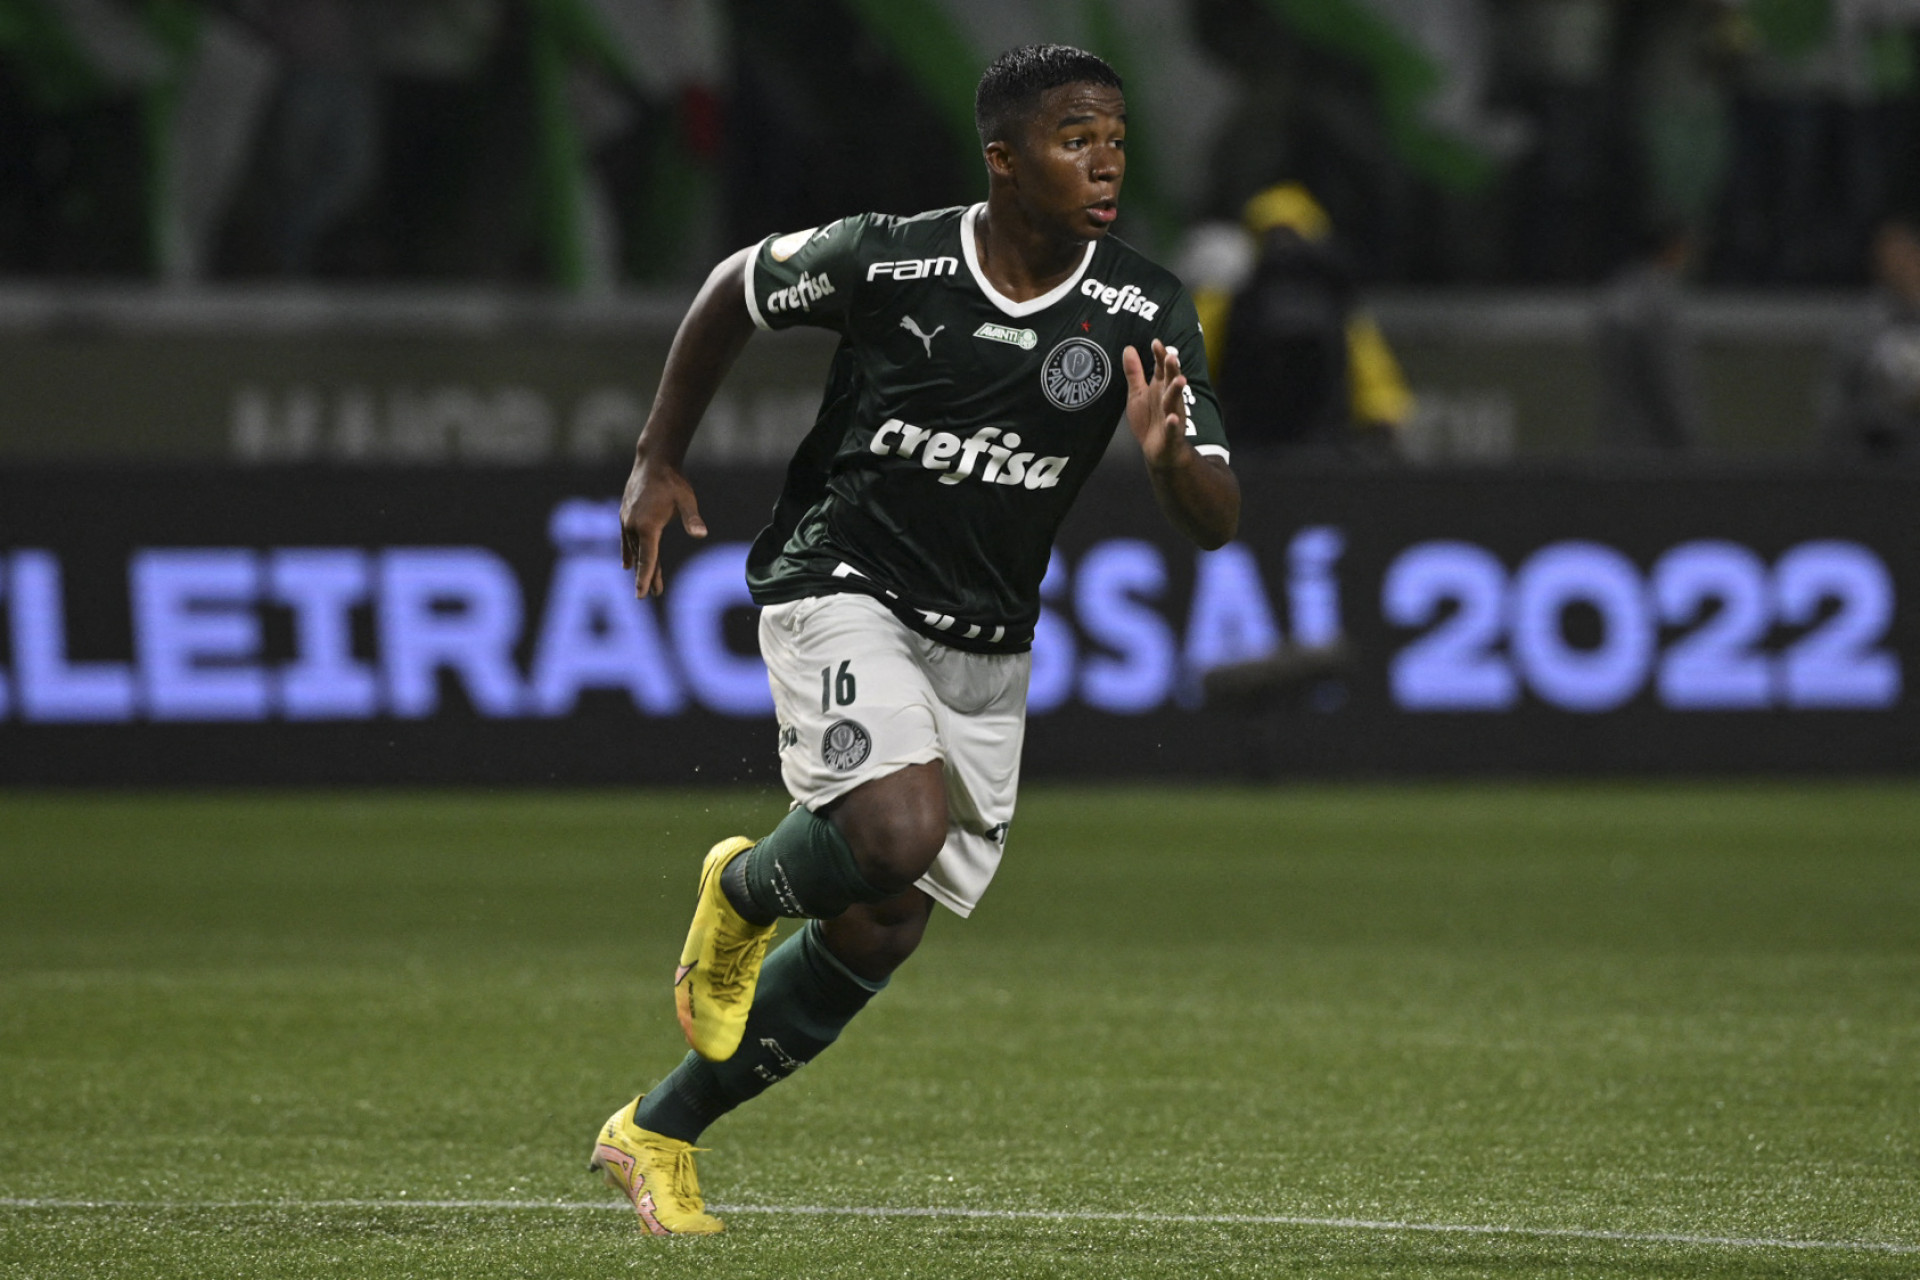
x,y
1017,1215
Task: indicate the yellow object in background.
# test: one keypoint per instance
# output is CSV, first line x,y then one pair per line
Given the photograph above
x,y
1380,391
1290,205
1214,306
1378,388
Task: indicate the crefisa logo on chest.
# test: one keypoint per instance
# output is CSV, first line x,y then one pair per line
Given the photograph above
x,y
1075,373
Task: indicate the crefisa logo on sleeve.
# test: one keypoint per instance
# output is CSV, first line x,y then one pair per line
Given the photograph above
x,y
806,291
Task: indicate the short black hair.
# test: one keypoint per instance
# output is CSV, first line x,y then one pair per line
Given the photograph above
x,y
1011,89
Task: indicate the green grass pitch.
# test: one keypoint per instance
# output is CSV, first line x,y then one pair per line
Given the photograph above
x,y
1593,1030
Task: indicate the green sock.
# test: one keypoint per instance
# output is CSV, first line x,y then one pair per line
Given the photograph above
x,y
806,997
804,867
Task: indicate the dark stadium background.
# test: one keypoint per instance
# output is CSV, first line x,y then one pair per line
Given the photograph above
x,y
423,287
1499,861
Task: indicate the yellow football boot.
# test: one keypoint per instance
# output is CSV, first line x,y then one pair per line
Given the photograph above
x,y
656,1174
720,963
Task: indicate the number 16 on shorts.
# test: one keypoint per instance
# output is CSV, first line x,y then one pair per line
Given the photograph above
x,y
837,689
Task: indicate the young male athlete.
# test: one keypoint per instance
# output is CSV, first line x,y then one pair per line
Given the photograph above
x,y
986,355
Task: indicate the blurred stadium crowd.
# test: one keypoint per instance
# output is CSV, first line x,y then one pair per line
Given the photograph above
x,y
331,312
594,144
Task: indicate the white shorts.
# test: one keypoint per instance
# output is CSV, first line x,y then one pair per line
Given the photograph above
x,y
861,695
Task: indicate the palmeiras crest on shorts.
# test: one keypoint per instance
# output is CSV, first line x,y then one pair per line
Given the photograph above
x,y
1075,373
845,745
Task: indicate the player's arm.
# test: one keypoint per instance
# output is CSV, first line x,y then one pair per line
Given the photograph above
x,y
1198,493
714,332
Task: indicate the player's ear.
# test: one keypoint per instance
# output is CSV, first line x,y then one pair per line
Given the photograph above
x,y
1000,158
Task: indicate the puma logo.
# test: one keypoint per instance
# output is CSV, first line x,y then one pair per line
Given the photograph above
x,y
907,323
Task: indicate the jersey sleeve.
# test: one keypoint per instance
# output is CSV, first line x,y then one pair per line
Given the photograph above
x,y
806,277
1206,431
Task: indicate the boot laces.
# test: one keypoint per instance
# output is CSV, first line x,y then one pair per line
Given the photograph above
x,y
682,1179
733,959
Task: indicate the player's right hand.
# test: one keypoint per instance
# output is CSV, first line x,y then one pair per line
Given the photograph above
x,y
655,494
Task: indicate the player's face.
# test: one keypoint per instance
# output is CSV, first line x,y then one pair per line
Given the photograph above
x,y
1073,159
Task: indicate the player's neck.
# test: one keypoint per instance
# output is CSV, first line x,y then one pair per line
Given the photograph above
x,y
1022,260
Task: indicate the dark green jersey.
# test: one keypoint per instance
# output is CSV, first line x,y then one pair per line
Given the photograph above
x,y
957,425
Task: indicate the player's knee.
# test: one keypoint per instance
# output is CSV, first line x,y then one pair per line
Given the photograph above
x,y
895,847
896,826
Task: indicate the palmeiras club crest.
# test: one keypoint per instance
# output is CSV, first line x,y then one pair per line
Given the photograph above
x,y
1075,373
845,745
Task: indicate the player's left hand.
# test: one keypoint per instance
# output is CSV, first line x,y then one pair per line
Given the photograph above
x,y
1156,407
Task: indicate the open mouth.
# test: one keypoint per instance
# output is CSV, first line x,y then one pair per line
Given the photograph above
x,y
1104,211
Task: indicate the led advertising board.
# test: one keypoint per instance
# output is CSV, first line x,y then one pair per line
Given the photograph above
x,y
302,626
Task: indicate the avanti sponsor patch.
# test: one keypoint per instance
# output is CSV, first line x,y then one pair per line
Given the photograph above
x,y
1025,339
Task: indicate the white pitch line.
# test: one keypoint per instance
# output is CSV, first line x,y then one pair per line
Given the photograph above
x,y
1019,1215
1347,1224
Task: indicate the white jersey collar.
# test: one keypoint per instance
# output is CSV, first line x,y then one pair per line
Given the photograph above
x,y
1001,300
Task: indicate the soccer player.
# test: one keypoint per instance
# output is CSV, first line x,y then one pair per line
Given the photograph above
x,y
986,357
